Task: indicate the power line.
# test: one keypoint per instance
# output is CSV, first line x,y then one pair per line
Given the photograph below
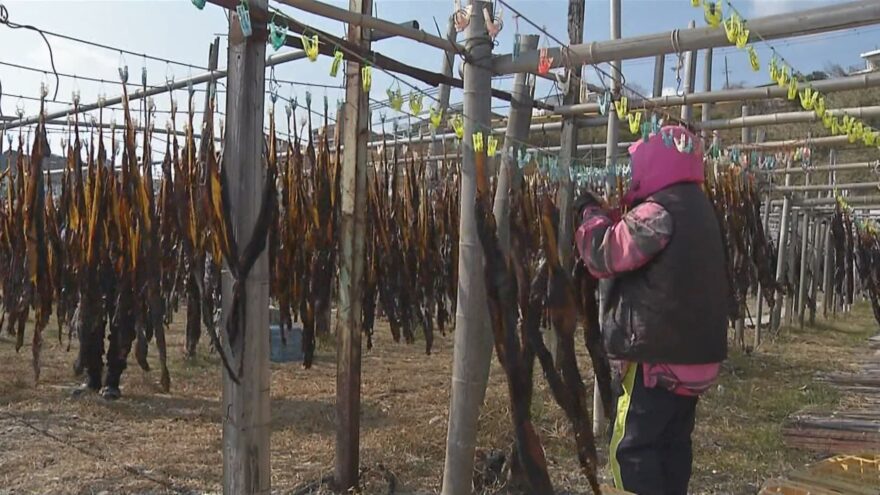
x,y
4,19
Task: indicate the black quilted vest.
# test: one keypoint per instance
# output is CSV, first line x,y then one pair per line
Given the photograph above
x,y
674,309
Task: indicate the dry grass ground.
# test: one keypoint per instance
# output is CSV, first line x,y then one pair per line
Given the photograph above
x,y
150,442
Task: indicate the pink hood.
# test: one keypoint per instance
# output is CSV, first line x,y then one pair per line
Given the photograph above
x,y
656,166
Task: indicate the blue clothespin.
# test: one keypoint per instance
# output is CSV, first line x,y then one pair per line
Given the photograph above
x,y
734,155
753,159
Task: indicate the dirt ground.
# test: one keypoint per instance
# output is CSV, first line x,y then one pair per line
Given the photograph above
x,y
150,442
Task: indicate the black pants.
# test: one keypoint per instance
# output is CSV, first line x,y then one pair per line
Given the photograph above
x,y
651,450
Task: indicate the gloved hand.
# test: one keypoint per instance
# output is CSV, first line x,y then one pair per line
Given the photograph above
x,y
584,200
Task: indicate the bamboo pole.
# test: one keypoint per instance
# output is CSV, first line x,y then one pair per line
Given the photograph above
x,y
353,220
854,186
517,132
819,20
760,296
841,167
246,415
745,137
787,118
365,20
794,223
472,351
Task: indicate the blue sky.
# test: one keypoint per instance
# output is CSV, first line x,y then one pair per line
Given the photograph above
x,y
175,29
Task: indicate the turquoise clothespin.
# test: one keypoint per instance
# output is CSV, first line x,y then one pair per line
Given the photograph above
x,y
277,34
656,123
753,159
646,131
604,102
734,155
668,138
200,4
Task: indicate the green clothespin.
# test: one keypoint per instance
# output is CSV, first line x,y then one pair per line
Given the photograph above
x,y
200,4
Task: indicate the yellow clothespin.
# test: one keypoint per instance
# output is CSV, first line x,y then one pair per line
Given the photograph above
x,y
621,106
436,117
491,145
712,13
732,27
742,38
478,142
819,106
310,46
635,121
457,124
753,59
367,77
792,89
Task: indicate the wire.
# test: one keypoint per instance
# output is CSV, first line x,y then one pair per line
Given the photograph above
x,y
71,76
4,19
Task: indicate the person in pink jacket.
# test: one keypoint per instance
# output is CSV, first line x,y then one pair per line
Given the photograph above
x,y
665,309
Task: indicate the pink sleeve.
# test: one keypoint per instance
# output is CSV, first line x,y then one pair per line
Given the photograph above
x,y
609,248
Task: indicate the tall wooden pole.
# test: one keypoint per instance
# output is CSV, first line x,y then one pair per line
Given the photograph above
x,y
740,324
827,282
246,417
518,122
616,67
791,261
472,351
568,141
353,220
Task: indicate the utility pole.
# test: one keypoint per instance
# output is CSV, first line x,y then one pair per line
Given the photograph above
x,y
659,64
726,74
353,220
518,122
472,350
246,417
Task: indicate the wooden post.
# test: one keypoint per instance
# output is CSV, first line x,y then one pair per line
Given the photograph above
x,y
818,237
802,280
827,286
659,67
246,417
472,351
690,78
518,122
776,317
353,220
740,324
794,223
